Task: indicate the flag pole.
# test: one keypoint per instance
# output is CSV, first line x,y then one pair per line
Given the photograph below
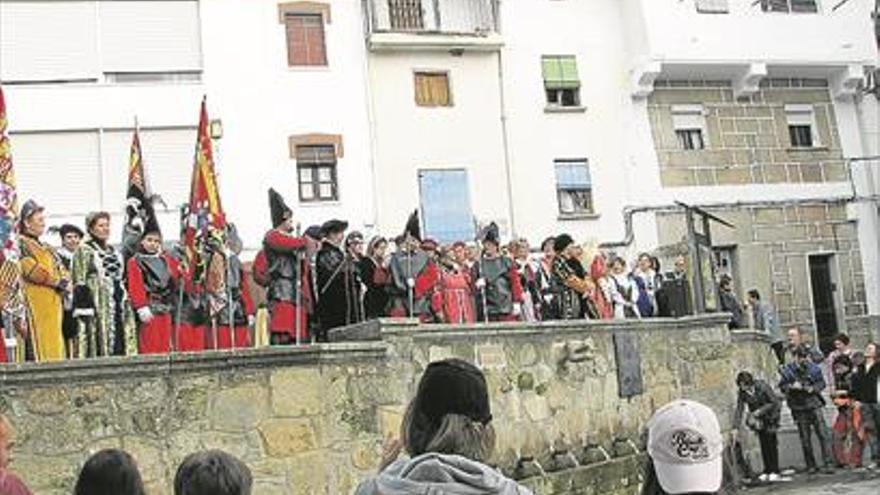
x,y
229,301
297,313
184,215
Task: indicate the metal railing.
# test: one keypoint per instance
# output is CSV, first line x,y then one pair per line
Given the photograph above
x,y
454,17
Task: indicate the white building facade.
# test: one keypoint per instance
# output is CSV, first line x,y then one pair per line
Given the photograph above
x,y
590,117
285,80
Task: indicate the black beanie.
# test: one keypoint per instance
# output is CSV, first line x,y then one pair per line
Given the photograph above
x,y
562,241
453,386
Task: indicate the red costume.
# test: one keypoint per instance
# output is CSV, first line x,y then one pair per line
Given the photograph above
x,y
453,302
598,270
243,310
152,279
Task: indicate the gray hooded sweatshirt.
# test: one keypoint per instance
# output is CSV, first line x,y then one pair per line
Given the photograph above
x,y
438,474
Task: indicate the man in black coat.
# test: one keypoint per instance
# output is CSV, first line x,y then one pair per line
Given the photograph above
x,y
339,286
764,408
866,383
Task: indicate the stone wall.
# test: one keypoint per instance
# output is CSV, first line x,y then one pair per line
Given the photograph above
x,y
772,246
747,139
311,420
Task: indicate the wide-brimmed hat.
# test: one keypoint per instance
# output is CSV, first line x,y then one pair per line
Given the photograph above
x,y
68,228
334,226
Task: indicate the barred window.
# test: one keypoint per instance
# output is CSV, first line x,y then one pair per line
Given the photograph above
x,y
796,6
316,169
712,6
690,126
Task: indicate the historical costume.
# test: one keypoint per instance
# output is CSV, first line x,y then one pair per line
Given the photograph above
x,y
339,282
453,301
414,276
236,289
101,305
645,279
153,278
66,255
45,283
500,293
543,279
288,276
846,440
601,295
569,285
376,277
625,292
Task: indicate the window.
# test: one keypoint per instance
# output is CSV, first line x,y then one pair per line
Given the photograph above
x,y
305,40
690,124
574,188
789,6
446,205
561,81
316,168
801,126
712,6
432,89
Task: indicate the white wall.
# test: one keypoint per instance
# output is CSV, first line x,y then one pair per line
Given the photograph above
x,y
260,100
606,133
676,31
408,138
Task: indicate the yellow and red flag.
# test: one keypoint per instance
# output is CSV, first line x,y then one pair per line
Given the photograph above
x,y
11,294
139,199
204,226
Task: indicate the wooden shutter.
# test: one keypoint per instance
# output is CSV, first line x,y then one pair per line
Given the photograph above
x,y
150,36
432,89
560,72
305,40
446,205
48,41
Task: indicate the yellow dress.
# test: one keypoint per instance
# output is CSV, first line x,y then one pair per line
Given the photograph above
x,y
42,273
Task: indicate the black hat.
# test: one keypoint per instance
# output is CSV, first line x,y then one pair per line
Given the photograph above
x,y
333,226
151,224
354,237
453,386
69,229
413,227
561,242
315,232
490,233
278,208
550,240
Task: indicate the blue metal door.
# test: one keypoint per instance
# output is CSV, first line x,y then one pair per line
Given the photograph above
x,y
446,205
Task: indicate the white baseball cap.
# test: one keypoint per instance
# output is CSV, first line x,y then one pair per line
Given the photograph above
x,y
685,444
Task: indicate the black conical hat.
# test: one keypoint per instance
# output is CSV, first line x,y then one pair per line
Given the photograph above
x,y
490,233
151,222
413,227
278,208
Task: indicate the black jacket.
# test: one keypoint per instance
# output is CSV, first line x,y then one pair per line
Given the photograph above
x,y
864,384
764,405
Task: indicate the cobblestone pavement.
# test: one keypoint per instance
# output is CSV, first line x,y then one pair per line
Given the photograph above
x,y
851,483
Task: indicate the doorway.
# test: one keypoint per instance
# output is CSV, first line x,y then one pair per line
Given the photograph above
x,y
824,279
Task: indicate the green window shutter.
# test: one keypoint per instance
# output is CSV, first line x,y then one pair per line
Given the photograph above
x,y
560,72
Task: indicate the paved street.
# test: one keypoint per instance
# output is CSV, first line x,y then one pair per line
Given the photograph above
x,y
839,484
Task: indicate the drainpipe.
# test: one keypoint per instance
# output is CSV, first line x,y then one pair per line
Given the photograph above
x,y
371,119
504,133
630,211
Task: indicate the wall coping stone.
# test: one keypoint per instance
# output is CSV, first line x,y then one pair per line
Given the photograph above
x,y
391,328
121,368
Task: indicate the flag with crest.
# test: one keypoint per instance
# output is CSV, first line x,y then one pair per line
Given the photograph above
x,y
204,226
12,303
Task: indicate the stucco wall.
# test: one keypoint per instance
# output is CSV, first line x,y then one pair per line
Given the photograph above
x,y
311,420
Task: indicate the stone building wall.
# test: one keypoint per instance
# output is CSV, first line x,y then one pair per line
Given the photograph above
x,y
311,420
772,245
747,138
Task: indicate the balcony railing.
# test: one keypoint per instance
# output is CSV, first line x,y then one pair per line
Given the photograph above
x,y
452,17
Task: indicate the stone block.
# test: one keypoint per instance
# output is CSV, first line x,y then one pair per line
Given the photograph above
x,y
240,408
288,437
766,141
780,233
677,178
811,172
439,353
728,125
491,356
759,111
767,216
390,418
812,213
747,125
834,172
734,175
774,173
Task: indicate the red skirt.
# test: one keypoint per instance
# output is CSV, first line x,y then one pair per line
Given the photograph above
x,y
191,338
242,338
283,321
3,357
155,337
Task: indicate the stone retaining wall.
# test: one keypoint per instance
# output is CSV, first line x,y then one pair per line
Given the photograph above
x,y
311,420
